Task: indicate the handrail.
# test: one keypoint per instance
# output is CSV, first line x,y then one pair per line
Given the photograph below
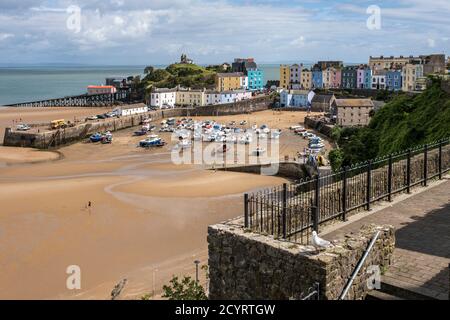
x,y
359,266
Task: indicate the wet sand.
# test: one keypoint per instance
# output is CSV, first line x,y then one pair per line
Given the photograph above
x,y
148,218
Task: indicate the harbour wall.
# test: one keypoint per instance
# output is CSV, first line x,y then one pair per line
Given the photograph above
x,y
57,138
249,266
290,170
319,126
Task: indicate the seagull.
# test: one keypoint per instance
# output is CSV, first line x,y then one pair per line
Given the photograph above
x,y
319,242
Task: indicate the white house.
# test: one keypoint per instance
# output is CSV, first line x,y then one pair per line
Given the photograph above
x,y
379,80
244,82
228,96
163,98
296,98
213,97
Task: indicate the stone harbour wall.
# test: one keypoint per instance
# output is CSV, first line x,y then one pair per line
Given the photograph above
x,y
55,138
319,126
249,266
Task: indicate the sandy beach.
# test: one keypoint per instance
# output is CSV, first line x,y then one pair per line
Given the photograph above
x,y
148,217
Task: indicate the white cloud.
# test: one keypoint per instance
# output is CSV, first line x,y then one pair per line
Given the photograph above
x,y
431,42
299,42
4,36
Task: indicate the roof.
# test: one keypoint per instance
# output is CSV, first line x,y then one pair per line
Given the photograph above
x,y
101,87
322,98
230,74
162,90
297,92
354,103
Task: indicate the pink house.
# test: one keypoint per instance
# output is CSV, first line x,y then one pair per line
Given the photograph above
x,y
335,78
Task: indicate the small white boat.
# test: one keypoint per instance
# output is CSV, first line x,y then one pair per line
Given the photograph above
x,y
259,152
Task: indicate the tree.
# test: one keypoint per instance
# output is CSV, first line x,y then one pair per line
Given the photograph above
x,y
336,157
186,289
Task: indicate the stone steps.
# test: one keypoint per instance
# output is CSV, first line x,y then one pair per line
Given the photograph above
x,y
380,295
391,289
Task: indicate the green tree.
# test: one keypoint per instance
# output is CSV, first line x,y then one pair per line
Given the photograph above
x,y
185,289
336,157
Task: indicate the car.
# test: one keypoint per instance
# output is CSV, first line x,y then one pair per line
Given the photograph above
x,y
101,116
23,127
92,118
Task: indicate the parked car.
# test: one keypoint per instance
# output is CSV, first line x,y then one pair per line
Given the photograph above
x,y
92,118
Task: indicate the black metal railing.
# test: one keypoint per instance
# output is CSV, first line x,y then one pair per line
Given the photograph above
x,y
292,211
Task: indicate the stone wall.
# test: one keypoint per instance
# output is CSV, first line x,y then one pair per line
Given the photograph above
x,y
241,107
290,170
319,126
245,265
55,138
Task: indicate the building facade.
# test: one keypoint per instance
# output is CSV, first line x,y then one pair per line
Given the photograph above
x,y
352,112
230,81
379,80
294,98
317,78
163,98
410,73
364,77
285,76
295,73
255,79
394,80
188,97
349,77
93,90
243,65
306,79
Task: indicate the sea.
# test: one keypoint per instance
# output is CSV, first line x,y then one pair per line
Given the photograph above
x,y
33,83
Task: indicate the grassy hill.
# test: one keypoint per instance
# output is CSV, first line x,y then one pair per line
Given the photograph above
x,y
404,122
186,75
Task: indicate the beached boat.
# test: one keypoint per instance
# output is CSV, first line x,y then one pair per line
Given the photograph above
x,y
151,142
107,138
184,144
96,137
259,152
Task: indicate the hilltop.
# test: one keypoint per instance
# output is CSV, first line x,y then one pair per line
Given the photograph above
x,y
186,75
404,122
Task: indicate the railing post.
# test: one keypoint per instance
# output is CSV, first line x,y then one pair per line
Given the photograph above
x,y
440,159
317,196
344,194
425,165
390,179
246,210
408,172
369,184
315,218
284,209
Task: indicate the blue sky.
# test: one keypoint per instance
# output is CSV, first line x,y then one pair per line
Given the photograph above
x,y
135,32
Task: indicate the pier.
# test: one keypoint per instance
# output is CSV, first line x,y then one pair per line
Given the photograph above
x,y
97,100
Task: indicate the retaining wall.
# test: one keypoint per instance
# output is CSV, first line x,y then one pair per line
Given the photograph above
x,y
319,126
248,266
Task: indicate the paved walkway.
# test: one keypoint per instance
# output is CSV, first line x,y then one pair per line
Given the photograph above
x,y
422,254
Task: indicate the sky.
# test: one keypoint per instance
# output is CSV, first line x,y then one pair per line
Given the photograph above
x,y
136,32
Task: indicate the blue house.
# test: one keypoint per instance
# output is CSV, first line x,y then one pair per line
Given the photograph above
x,y
255,79
367,78
394,80
294,98
317,79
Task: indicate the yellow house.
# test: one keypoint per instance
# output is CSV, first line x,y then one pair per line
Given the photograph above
x,y
230,81
190,97
285,76
410,73
306,79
